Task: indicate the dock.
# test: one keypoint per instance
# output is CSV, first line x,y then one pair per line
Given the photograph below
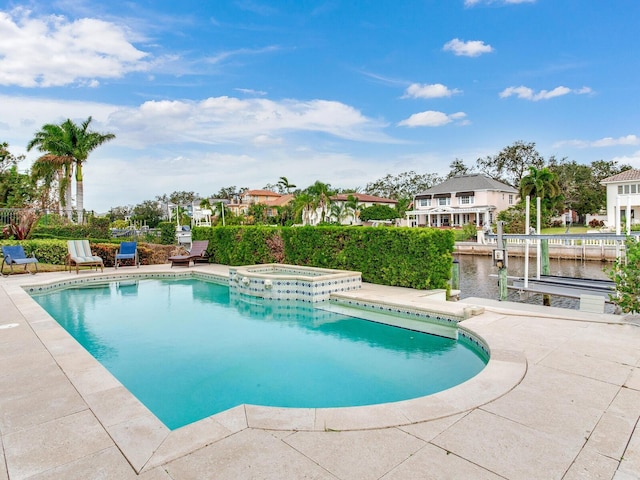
x,y
564,286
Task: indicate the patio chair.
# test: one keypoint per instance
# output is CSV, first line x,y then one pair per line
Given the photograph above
x,y
197,253
80,255
14,255
128,251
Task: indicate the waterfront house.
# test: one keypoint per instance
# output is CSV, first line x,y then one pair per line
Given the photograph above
x,y
460,200
623,199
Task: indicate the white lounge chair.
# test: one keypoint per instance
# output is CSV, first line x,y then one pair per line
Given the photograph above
x,y
80,255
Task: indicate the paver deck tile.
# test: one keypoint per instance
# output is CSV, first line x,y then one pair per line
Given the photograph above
x,y
567,415
357,455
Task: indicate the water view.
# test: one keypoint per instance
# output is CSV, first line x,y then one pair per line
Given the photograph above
x,y
475,279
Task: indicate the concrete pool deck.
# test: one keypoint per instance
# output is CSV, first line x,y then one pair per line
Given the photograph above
x,y
560,398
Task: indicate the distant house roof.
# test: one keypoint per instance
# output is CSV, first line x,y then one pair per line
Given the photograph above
x,y
263,193
362,197
626,176
468,183
280,201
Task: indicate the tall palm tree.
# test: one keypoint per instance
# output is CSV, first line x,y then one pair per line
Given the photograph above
x,y
73,142
83,142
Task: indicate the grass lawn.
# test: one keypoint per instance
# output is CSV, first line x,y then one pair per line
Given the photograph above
x,y
563,230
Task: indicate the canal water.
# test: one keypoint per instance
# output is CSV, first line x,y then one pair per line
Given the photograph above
x,y
476,279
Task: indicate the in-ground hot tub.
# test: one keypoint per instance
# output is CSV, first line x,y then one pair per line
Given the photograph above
x,y
290,282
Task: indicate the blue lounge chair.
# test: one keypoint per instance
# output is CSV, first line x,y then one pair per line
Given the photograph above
x,y
14,255
128,251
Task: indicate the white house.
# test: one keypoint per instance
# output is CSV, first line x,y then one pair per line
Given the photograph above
x,y
460,200
348,216
623,199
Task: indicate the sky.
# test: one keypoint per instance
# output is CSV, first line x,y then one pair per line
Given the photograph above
x,y
206,95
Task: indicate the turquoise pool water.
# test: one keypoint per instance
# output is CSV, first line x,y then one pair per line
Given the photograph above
x,y
188,350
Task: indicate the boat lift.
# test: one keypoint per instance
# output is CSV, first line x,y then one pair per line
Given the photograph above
x,y
591,292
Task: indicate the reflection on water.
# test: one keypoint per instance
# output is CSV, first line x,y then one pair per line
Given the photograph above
x,y
475,279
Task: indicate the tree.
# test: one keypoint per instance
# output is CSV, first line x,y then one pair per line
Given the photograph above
x,y
304,207
74,142
285,185
458,167
512,163
542,183
580,184
16,189
321,194
119,213
378,212
353,205
339,212
626,275
148,213
52,140
403,185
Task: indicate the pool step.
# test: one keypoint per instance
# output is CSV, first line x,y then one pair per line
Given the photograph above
x,y
437,327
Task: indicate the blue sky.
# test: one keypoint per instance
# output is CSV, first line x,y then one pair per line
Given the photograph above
x,y
204,95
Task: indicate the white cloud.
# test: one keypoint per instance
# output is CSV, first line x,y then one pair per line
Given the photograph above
x,y
472,48
435,90
633,159
527,93
432,118
226,119
628,140
52,51
251,91
222,56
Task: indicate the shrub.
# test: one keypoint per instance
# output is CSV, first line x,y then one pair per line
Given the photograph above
x,y
595,223
626,275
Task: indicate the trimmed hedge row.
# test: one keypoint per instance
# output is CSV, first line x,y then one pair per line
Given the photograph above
x,y
95,229
54,252
406,257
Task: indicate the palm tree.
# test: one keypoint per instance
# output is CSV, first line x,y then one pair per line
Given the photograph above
x,y
73,142
542,183
285,185
83,142
52,139
353,204
50,169
321,193
305,206
339,211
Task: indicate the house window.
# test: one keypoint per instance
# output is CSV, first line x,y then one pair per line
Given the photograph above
x,y
619,189
626,189
633,188
510,199
466,200
425,202
465,218
444,201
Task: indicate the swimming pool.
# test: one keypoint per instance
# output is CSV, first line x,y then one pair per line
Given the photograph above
x,y
188,350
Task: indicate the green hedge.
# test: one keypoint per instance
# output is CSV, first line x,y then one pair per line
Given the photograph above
x,y
54,252
96,228
406,257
